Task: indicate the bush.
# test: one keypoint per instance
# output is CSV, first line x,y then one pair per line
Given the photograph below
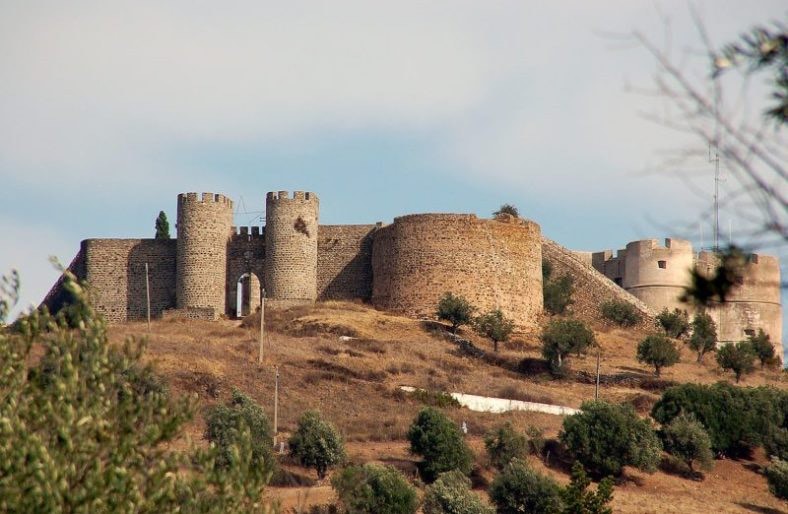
x,y
536,440
579,500
737,357
509,209
685,438
494,325
675,324
505,444
451,494
562,337
762,347
225,423
775,442
317,444
704,335
659,351
556,292
162,226
520,489
735,418
620,312
374,489
456,310
777,477
438,441
85,427
605,437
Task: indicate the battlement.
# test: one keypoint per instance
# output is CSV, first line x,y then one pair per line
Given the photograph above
x,y
645,246
246,233
435,217
203,198
284,196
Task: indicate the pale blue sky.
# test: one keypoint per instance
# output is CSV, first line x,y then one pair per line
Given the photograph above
x,y
109,109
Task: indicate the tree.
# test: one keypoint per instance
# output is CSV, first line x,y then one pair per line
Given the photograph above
x,y
504,444
777,477
162,226
495,326
456,310
605,437
518,489
685,438
620,312
451,494
737,357
86,427
226,422
579,500
374,489
564,336
675,324
556,292
439,442
704,335
317,444
509,209
659,351
762,346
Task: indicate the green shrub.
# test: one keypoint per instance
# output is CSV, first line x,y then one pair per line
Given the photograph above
x,y
685,438
439,442
620,312
509,209
564,336
504,444
704,335
162,226
451,494
556,292
374,489
438,399
762,347
456,310
579,500
675,324
495,326
777,477
85,427
735,418
659,351
737,357
605,437
225,423
317,444
536,440
519,489
775,442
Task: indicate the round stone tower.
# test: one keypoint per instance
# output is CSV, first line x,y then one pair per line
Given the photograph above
x,y
291,246
658,274
204,227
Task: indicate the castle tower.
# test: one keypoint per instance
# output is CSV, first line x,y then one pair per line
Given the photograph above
x,y
204,227
291,246
753,305
658,274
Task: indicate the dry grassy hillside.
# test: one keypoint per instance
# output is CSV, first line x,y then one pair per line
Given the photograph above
x,y
354,382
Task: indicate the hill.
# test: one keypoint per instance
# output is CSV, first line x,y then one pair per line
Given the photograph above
x,y
348,361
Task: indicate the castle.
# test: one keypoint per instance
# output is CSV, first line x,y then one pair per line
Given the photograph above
x,y
213,269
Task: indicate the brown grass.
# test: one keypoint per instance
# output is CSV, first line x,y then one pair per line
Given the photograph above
x,y
355,384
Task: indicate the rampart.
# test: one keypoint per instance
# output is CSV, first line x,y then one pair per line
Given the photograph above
x,y
344,262
495,264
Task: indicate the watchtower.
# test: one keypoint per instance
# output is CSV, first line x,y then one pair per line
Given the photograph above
x,y
291,246
204,228
658,274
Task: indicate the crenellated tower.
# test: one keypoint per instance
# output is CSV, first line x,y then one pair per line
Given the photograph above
x,y
658,274
204,228
291,226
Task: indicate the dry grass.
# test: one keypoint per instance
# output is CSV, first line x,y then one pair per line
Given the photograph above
x,y
354,382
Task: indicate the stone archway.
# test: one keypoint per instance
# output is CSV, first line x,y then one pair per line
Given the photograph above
x,y
247,296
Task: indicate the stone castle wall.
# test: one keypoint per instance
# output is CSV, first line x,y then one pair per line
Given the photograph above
x,y
115,270
291,235
204,228
245,254
658,274
494,264
344,262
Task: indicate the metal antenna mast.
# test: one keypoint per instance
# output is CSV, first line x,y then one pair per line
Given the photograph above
x,y
716,160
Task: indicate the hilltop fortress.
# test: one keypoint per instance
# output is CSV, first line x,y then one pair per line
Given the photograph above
x,y
213,269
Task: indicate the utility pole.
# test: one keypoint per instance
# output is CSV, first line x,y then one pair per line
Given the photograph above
x,y
276,403
262,324
147,293
596,390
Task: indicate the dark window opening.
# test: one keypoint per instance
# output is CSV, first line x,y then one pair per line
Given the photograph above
x,y
662,264
618,281
749,332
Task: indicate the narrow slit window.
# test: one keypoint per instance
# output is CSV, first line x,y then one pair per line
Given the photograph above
x,y
662,264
